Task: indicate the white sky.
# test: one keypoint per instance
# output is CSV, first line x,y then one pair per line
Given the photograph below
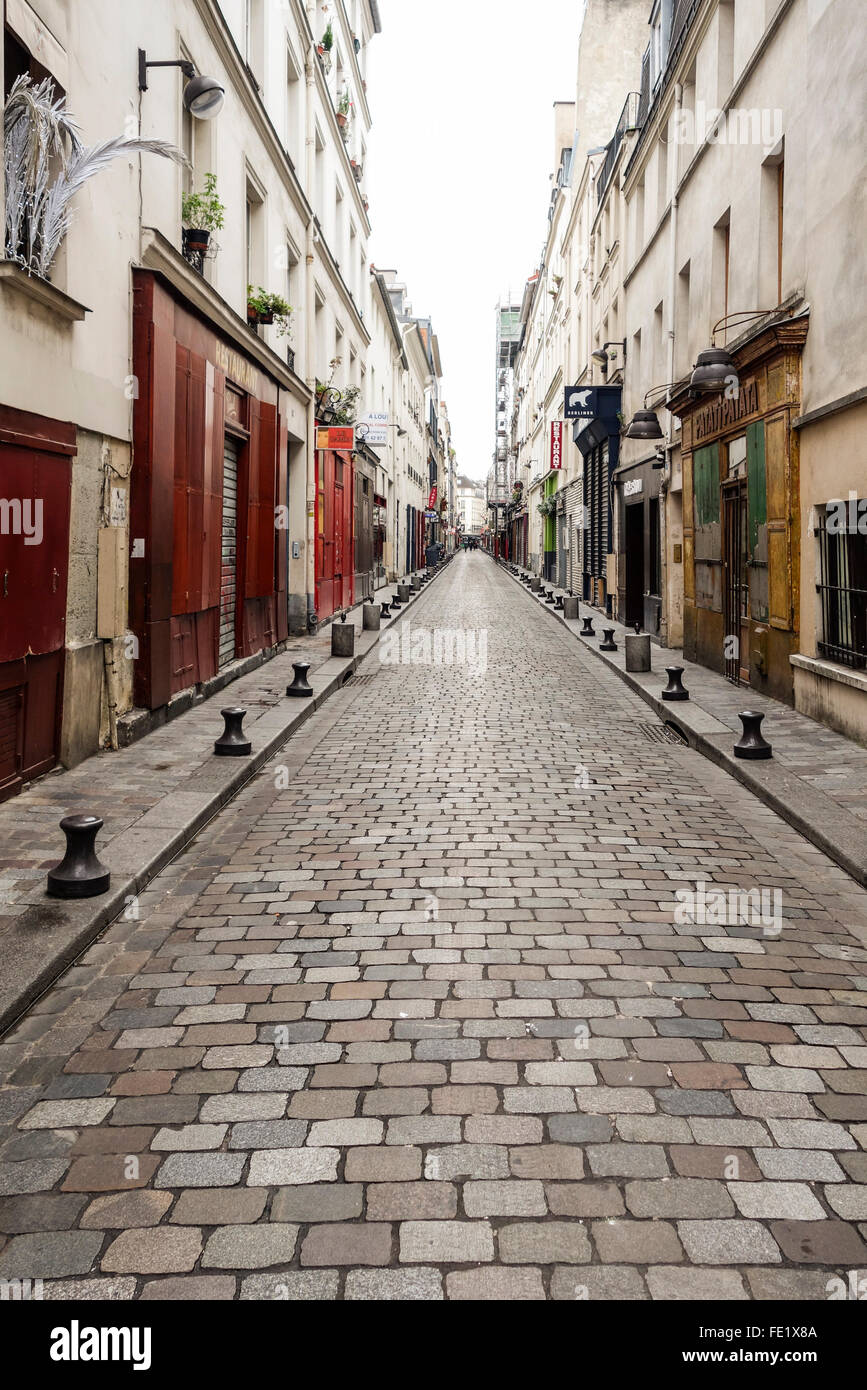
x,y
461,154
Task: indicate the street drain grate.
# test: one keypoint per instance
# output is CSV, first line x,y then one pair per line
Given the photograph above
x,y
356,681
663,733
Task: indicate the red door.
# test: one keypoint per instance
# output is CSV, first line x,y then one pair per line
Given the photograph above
x,y
334,539
34,541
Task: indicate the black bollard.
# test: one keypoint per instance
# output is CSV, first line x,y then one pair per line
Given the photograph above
x,y
386,608
79,874
675,690
751,744
608,643
232,742
550,600
300,689
587,629
559,604
636,627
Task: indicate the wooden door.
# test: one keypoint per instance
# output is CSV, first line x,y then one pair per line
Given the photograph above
x,y
34,545
736,582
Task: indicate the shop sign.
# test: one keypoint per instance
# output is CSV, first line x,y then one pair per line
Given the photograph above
x,y
237,368
556,444
432,500
580,403
339,437
633,487
724,413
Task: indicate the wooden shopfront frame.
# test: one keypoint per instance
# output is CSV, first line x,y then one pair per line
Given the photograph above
x,y
714,492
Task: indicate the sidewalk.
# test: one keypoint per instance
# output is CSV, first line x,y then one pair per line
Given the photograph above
x,y
816,779
154,797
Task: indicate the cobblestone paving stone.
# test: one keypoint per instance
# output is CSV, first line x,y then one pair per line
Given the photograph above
x,y
418,1018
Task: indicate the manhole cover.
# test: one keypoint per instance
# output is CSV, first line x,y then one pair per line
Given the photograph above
x,y
663,733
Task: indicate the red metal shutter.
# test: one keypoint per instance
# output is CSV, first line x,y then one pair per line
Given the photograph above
x,y
180,547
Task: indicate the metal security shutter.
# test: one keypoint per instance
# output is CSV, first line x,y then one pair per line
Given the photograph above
x,y
229,553
11,709
573,500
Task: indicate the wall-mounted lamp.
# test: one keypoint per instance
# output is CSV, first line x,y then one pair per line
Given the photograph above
x,y
644,423
601,354
203,96
715,367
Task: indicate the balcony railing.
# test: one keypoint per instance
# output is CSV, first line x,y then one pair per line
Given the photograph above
x,y
628,121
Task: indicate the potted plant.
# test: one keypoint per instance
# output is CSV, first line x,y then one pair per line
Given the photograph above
x,y
344,108
324,47
265,308
201,214
357,169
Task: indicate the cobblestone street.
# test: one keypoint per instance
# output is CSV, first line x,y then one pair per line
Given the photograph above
x,y
421,1015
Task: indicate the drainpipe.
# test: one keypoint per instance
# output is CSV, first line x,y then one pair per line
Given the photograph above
x,y
310,325
665,482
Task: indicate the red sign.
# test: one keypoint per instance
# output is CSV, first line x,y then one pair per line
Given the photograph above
x,y
556,444
432,500
336,438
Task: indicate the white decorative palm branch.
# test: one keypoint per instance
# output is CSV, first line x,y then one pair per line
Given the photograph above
x,y
39,136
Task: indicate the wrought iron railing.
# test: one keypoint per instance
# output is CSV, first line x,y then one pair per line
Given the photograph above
x,y
628,121
842,590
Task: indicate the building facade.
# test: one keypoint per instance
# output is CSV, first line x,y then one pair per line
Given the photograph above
x,y
171,510
723,510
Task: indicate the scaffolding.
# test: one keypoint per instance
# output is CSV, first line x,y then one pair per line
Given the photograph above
x,y
501,477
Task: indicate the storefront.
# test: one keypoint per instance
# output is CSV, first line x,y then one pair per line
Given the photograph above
x,y
741,516
595,410
380,538
366,463
639,551
209,558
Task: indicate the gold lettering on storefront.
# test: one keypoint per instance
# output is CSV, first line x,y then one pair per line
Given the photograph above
x,y
721,416
237,368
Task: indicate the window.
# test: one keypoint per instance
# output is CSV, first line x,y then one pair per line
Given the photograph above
x,y
254,38
255,234
781,175
721,266
682,357
725,50
843,583
17,62
737,457
195,139
294,110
